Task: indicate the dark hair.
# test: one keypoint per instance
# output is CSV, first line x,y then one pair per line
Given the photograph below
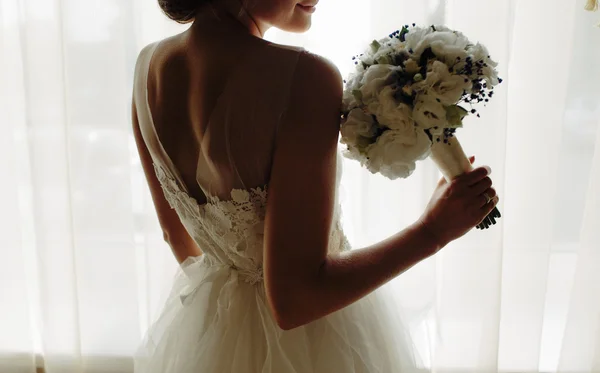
x,y
182,11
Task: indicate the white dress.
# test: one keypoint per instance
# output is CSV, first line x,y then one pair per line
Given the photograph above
x,y
216,319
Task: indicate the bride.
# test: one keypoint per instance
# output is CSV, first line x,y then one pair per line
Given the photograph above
x,y
238,140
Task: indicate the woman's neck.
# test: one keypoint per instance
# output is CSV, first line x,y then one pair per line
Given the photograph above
x,y
231,14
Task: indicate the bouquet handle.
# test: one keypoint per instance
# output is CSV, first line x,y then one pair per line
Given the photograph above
x,y
452,162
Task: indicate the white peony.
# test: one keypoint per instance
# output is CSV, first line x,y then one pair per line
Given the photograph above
x,y
443,85
428,113
374,80
358,128
394,154
391,113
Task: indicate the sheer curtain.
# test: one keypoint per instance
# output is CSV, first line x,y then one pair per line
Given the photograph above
x,y
83,266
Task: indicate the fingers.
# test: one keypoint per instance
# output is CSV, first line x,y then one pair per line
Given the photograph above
x,y
472,177
481,186
488,207
487,197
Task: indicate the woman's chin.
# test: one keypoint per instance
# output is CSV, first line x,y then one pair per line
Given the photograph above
x,y
298,24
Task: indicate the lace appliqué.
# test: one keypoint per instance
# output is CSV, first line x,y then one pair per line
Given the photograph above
x,y
177,198
231,232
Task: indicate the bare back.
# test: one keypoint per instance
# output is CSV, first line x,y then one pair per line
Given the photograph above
x,y
215,103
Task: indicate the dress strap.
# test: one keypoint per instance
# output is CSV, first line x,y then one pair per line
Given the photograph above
x,y
159,155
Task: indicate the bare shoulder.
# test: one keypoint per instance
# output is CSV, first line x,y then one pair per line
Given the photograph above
x,y
310,69
315,70
157,51
157,47
311,121
142,57
316,92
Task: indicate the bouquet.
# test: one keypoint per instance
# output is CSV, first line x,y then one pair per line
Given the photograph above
x,y
409,94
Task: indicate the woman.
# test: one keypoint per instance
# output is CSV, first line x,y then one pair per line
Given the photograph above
x,y
238,140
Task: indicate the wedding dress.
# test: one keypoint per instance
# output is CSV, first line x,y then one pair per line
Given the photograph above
x,y
216,318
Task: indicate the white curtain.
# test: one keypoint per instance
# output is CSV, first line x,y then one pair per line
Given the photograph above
x,y
82,263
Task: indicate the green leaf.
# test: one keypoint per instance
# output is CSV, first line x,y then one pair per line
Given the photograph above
x,y
462,111
384,60
403,33
375,46
455,115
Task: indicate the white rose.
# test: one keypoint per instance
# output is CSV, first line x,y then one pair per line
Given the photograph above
x,y
411,66
358,128
353,84
396,44
443,44
490,75
388,47
367,60
394,154
384,49
354,80
358,67
352,152
428,113
478,53
415,35
450,89
391,113
443,85
375,78
450,54
349,102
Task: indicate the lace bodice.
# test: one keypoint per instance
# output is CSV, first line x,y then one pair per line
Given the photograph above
x,y
230,232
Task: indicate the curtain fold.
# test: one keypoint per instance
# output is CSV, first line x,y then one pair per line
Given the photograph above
x,y
83,268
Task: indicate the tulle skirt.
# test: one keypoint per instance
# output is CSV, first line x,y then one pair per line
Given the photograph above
x,y
215,321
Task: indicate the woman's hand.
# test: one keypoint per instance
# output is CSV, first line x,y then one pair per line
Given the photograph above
x,y
458,206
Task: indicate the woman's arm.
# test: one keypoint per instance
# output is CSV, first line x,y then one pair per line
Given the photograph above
x,y
175,234
303,282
